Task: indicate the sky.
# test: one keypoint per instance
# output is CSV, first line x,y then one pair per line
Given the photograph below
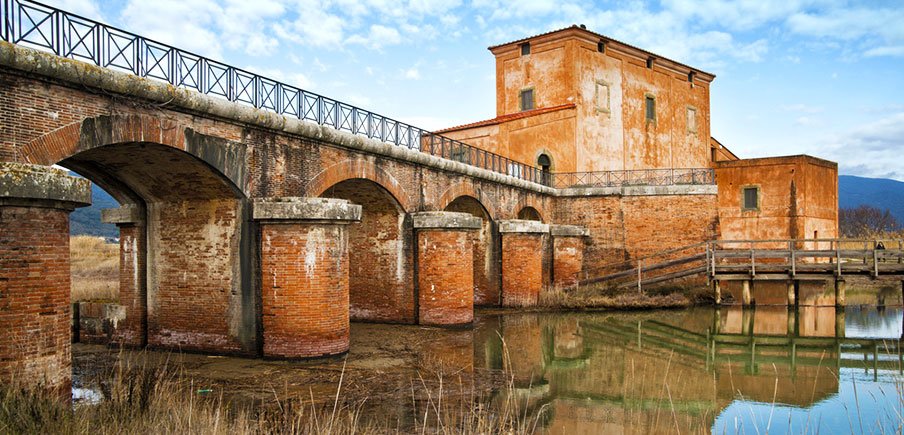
x,y
818,77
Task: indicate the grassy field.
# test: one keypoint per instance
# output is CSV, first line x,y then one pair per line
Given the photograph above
x,y
95,269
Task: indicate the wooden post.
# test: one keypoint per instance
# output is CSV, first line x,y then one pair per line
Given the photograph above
x,y
839,292
745,292
747,321
639,276
792,324
792,301
717,291
839,322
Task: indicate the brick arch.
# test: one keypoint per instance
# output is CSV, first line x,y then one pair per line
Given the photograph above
x,y
89,133
352,169
465,188
528,201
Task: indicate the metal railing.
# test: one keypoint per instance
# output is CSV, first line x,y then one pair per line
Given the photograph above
x,y
46,28
640,177
35,25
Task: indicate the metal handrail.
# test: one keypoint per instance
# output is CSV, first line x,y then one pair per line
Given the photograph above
x,y
36,25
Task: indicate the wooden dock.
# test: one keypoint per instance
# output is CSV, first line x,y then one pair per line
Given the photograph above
x,y
752,261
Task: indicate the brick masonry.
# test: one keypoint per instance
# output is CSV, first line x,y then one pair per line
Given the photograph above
x,y
445,276
132,331
567,259
305,289
522,268
35,312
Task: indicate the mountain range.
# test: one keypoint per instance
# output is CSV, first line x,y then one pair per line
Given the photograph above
x,y
853,191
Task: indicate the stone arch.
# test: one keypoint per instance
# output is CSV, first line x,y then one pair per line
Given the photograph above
x,y
192,284
381,252
228,158
527,204
466,188
361,169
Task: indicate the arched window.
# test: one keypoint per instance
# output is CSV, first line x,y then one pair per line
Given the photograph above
x,y
544,162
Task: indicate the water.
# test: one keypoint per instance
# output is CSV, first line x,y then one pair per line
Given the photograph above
x,y
722,370
701,370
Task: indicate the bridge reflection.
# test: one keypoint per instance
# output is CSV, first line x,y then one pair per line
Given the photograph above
x,y
648,374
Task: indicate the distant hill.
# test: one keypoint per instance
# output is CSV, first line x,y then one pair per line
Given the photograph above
x,y
880,193
86,220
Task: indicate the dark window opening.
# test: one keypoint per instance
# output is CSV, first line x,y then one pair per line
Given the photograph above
x,y
544,162
527,99
691,76
650,62
525,49
601,46
651,108
751,198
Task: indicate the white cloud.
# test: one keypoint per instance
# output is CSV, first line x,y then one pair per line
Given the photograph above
x,y
412,73
897,51
803,108
872,150
378,37
187,24
85,8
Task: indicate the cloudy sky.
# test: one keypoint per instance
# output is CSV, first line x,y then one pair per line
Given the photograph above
x,y
821,77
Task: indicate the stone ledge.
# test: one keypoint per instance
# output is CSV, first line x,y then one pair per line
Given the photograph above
x,y
446,219
696,189
522,226
568,231
126,214
43,186
328,210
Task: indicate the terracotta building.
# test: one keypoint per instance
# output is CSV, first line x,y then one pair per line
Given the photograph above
x,y
573,100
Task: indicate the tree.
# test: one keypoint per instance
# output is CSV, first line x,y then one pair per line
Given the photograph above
x,y
865,221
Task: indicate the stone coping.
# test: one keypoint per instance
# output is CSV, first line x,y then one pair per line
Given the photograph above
x,y
446,219
568,231
327,210
522,226
38,185
678,189
127,214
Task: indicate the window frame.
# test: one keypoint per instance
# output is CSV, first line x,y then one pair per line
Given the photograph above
x,y
525,47
596,97
759,198
533,99
687,120
646,98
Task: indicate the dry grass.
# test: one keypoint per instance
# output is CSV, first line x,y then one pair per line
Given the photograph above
x,y
598,296
95,269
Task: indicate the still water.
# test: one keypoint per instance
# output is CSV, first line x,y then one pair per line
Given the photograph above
x,y
728,370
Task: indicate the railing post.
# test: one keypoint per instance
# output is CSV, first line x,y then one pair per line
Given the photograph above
x,y
875,259
639,276
793,260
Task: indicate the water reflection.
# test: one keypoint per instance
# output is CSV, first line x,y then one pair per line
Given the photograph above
x,y
702,370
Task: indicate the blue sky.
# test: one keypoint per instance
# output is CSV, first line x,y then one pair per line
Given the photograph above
x,y
821,77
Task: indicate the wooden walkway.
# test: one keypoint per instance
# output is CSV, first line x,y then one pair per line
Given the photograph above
x,y
749,261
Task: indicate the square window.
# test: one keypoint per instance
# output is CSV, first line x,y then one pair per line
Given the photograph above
x,y
527,99
525,49
751,198
651,108
691,120
601,46
601,99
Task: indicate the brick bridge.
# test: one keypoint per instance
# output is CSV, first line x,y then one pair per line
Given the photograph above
x,y
246,231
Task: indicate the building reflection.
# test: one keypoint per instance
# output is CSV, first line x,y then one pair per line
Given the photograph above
x,y
641,374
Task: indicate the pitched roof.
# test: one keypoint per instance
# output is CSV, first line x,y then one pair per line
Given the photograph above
x,y
509,117
605,38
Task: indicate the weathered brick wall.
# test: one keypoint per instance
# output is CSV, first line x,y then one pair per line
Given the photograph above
x,y
657,223
522,268
445,276
132,286
305,289
604,218
381,288
192,302
486,264
34,296
567,260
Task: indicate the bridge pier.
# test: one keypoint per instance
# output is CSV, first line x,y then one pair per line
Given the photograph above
x,y
304,275
839,292
35,312
445,267
523,245
130,220
792,293
567,253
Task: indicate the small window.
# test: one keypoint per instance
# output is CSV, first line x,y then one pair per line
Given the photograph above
x,y
691,120
601,46
527,99
650,62
751,198
691,76
651,108
525,49
544,162
601,99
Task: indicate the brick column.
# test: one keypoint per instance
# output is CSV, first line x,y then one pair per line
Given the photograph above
x,y
523,245
445,267
567,254
35,313
304,275
132,330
